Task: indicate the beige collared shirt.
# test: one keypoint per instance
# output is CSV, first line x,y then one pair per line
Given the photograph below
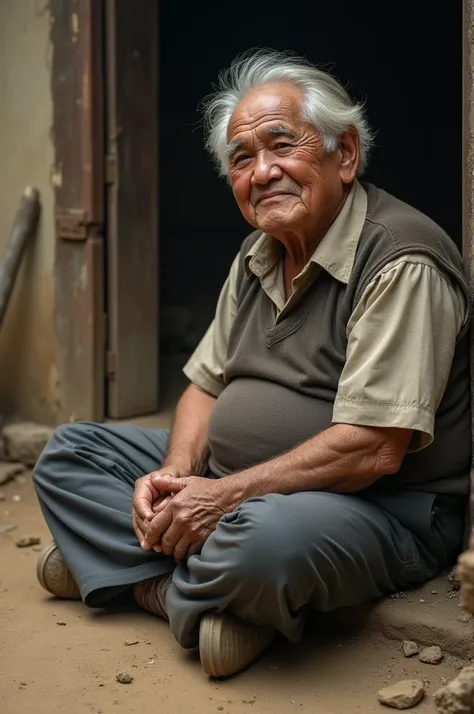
x,y
401,335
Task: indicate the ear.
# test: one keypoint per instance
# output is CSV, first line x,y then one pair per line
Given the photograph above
x,y
349,155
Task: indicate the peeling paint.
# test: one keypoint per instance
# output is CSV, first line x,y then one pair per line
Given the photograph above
x,y
57,176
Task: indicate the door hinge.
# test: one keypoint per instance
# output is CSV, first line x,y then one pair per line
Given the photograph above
x,y
111,364
110,169
72,224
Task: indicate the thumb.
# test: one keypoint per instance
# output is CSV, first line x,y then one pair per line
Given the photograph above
x,y
167,482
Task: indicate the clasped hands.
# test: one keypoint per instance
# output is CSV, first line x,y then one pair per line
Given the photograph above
x,y
174,513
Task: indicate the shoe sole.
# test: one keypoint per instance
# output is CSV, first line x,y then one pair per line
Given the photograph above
x,y
207,631
212,656
40,565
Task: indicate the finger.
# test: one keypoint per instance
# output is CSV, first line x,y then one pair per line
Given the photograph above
x,y
144,495
167,483
171,538
160,523
137,529
160,505
181,549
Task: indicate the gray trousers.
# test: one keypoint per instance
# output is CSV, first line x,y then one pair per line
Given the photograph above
x,y
268,562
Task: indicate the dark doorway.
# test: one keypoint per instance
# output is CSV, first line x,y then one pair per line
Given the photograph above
x,y
404,59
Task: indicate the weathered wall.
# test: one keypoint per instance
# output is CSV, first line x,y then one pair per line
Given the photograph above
x,y
28,377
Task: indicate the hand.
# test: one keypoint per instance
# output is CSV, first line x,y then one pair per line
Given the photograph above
x,y
189,517
147,499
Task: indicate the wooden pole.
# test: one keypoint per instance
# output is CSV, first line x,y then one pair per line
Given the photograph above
x,y
24,226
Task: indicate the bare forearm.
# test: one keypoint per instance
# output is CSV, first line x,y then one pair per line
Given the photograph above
x,y
188,442
342,459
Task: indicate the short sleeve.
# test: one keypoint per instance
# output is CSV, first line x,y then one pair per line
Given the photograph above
x,y
205,367
401,341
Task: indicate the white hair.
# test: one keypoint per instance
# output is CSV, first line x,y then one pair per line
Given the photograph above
x,y
326,104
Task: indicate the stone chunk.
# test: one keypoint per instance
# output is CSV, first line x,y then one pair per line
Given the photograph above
x,y
402,695
457,697
410,649
9,471
27,541
25,441
431,655
124,678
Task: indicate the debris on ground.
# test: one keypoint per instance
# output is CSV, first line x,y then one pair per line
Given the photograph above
x,y
431,655
62,623
457,697
465,618
129,643
124,678
410,648
402,695
7,527
453,579
9,471
16,498
26,541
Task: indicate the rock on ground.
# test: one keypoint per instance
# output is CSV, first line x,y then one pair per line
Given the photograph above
x,y
431,655
9,471
410,649
457,697
402,695
25,441
124,678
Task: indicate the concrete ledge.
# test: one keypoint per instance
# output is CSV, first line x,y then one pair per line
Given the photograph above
x,y
430,615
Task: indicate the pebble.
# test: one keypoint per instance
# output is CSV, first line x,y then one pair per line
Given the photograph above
x,y
402,695
453,579
410,648
7,527
434,592
129,643
124,678
431,655
27,541
457,697
16,498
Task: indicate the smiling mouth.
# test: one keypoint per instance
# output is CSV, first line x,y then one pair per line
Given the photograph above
x,y
273,195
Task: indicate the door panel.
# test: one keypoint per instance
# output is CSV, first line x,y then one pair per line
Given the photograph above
x,y
132,195
77,91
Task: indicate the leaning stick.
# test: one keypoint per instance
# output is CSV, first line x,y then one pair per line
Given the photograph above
x,y
24,226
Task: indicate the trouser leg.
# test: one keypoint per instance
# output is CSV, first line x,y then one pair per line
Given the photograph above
x,y
275,556
85,481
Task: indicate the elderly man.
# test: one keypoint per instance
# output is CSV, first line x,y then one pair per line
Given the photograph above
x,y
319,457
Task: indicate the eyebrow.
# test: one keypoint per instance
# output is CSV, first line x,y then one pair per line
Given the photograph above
x,y
272,130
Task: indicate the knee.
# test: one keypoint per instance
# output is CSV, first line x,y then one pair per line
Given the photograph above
x,y
65,437
257,542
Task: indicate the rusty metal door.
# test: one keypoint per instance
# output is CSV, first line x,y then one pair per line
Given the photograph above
x,y
132,196
77,92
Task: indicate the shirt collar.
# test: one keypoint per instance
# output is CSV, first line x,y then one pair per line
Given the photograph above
x,y
335,253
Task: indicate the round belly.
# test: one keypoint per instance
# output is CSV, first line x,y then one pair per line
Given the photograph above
x,y
255,420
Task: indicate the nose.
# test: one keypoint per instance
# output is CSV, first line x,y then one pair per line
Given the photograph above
x,y
265,169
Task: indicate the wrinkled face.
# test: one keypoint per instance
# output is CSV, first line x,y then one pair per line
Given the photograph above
x,y
282,178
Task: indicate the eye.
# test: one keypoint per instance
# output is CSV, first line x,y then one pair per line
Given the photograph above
x,y
282,145
241,157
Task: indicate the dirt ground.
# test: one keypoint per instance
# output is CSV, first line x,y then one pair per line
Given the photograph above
x,y
61,657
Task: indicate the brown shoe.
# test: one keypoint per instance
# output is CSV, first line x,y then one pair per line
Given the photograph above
x,y
228,645
54,575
